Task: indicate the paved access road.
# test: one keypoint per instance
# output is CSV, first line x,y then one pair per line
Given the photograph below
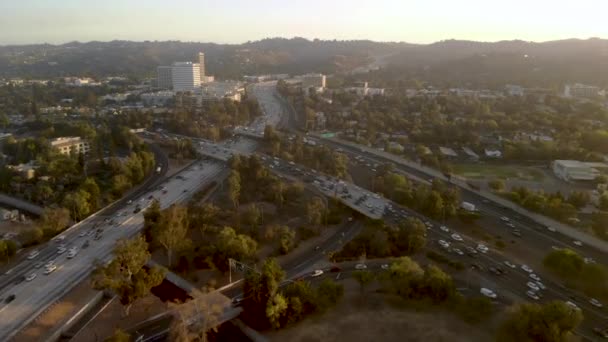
x,y
32,297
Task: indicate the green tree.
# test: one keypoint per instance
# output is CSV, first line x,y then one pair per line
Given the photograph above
x,y
412,236
579,199
260,289
437,284
125,275
275,309
77,202
497,185
403,277
287,239
553,321
234,187
54,220
364,278
565,262
604,201
253,216
315,211
171,232
229,244
91,187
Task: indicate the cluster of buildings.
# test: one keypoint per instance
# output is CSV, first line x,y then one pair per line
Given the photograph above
x,y
183,76
63,145
187,84
581,91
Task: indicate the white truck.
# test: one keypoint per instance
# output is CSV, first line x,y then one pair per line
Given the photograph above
x,y
468,206
158,169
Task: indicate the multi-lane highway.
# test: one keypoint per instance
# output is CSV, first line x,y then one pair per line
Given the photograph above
x,y
33,296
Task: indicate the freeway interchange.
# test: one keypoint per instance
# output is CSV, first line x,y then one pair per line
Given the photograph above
x,y
490,268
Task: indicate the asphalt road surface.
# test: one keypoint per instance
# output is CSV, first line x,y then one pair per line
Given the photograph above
x,y
32,297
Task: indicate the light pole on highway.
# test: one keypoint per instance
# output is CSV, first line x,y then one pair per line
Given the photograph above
x,y
239,266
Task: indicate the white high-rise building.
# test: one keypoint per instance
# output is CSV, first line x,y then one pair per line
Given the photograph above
x,y
186,76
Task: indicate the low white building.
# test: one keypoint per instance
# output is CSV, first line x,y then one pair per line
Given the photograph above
x,y
158,99
574,170
71,145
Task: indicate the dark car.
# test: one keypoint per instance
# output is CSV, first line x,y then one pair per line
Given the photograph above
x,y
137,209
237,301
86,244
9,299
20,280
335,269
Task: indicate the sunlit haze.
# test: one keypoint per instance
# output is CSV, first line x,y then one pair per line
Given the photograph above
x,y
236,21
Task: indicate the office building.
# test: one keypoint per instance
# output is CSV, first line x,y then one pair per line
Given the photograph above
x,y
313,80
185,76
164,77
71,145
581,90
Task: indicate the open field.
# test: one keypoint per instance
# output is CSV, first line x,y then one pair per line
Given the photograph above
x,y
372,318
490,171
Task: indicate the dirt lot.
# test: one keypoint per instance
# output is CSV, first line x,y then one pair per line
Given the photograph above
x,y
14,227
112,318
370,318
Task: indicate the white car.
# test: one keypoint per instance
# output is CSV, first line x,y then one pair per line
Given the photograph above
x,y
72,253
482,248
533,286
551,229
384,266
30,277
589,261
595,303
577,243
444,244
33,254
505,219
458,251
509,264
360,266
555,248
61,250
526,268
456,237
534,276
82,234
317,273
444,229
59,238
488,293
541,285
50,269
572,305
49,263
532,295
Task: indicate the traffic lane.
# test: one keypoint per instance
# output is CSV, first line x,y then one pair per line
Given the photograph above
x,y
549,238
468,194
56,286
47,250
494,259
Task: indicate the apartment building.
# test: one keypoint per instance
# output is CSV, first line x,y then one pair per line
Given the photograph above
x,y
71,145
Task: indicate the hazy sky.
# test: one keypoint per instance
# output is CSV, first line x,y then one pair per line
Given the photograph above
x,y
235,21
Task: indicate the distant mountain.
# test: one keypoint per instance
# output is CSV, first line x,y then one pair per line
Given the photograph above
x,y
448,62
